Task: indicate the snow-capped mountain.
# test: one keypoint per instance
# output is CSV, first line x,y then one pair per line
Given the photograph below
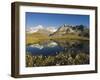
x,y
51,29
34,29
40,28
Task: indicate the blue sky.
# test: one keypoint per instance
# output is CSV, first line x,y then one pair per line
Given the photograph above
x,y
55,20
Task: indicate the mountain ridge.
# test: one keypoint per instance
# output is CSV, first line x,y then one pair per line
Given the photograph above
x,y
79,30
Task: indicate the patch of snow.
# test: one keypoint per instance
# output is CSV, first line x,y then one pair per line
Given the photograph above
x,y
36,28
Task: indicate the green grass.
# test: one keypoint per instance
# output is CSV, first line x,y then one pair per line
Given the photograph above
x,y
70,37
37,37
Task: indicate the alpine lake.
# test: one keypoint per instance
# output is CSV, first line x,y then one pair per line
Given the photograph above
x,y
57,53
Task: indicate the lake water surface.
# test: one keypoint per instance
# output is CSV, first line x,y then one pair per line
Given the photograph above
x,y
55,47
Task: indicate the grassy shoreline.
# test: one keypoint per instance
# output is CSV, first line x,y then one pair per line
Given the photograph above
x,y
38,39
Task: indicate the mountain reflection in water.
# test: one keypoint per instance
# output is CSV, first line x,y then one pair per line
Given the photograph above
x,y
47,48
